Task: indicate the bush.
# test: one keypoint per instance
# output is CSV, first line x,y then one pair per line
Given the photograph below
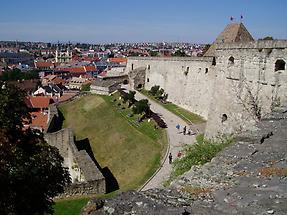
x,y
141,106
130,97
153,91
86,87
159,94
17,74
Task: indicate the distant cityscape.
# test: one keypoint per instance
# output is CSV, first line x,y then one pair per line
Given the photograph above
x,y
47,50
64,68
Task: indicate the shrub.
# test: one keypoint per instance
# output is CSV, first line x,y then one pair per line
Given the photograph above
x,y
130,97
164,98
159,93
86,87
153,91
141,106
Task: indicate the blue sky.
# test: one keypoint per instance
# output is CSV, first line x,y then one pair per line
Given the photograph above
x,y
98,21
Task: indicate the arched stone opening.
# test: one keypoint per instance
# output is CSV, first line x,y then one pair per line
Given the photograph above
x,y
280,65
213,61
125,82
223,117
139,86
231,61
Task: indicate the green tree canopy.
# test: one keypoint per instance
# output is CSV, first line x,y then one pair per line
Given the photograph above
x,y
141,106
179,53
86,87
129,97
267,38
154,89
17,74
31,171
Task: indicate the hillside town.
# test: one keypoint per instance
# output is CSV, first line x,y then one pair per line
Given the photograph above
x,y
66,69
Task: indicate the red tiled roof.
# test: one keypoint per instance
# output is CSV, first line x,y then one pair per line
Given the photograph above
x,y
58,80
90,68
81,69
39,119
38,101
118,60
43,64
85,58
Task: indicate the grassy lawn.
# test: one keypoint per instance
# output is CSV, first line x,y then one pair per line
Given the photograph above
x,y
131,150
181,112
70,207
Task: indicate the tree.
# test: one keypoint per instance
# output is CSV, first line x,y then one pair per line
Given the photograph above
x,y
267,38
159,93
31,171
141,106
179,53
154,53
86,87
154,89
130,97
17,74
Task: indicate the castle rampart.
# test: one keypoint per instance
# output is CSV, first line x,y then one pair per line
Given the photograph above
x,y
250,81
187,81
86,176
232,90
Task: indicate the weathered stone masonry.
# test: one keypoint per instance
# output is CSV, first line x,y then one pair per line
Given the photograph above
x,y
86,176
241,80
182,78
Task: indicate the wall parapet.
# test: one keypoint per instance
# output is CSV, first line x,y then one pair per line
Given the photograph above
x,y
259,44
84,189
193,58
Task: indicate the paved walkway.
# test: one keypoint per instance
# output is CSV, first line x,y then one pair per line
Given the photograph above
x,y
176,141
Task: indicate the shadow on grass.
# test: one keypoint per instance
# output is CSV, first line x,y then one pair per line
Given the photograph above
x,y
111,182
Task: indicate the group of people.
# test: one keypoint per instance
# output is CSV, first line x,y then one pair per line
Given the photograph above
x,y
184,131
179,154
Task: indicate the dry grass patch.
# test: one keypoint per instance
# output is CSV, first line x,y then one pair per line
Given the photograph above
x,y
195,190
273,171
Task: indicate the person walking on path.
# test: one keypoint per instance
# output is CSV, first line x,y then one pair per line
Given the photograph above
x,y
170,158
177,127
184,130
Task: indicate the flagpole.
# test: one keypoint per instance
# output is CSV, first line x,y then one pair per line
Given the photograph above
x,y
241,18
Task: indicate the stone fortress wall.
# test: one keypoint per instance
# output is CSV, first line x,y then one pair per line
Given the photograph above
x,y
187,81
223,85
86,176
243,70
64,141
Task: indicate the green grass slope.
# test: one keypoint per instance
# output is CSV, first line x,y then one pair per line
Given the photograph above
x,y
130,150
